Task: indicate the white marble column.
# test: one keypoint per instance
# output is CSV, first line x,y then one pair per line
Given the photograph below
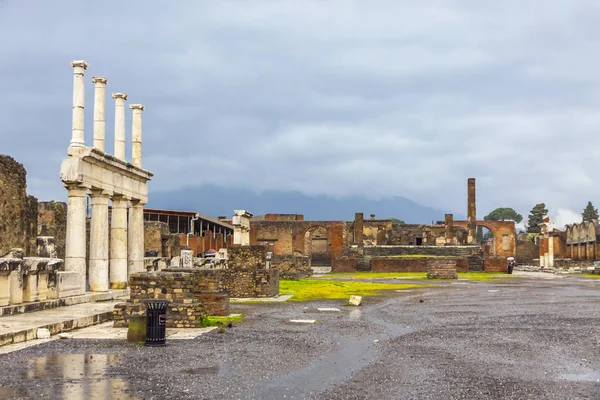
x,y
98,268
75,250
136,238
118,243
99,115
77,138
119,124
136,134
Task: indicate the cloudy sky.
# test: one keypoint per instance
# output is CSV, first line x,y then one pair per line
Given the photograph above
x,y
335,97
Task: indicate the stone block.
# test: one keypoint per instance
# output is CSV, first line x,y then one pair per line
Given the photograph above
x,y
355,300
187,259
68,283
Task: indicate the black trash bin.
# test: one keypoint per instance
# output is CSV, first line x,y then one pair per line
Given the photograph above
x,y
156,322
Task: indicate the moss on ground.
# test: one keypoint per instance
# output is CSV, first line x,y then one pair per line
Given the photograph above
x,y
595,276
219,321
312,289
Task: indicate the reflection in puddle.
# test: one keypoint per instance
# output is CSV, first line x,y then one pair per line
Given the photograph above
x,y
78,376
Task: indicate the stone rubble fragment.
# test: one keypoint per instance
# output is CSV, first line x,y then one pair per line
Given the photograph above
x,y
355,300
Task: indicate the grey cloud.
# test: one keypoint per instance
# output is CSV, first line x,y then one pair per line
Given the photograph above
x,y
337,97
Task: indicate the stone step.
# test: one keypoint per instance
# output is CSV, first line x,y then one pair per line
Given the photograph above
x,y
321,270
89,297
23,327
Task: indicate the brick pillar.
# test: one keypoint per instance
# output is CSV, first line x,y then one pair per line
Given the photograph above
x,y
449,229
358,228
471,212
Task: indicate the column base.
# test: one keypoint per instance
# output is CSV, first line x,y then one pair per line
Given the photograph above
x,y
118,285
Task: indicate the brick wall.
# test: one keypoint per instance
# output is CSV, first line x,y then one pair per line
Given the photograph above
x,y
159,242
191,293
438,251
495,264
14,220
442,269
343,264
52,221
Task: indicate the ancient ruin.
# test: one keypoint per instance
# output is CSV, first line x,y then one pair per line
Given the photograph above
x,y
91,171
379,245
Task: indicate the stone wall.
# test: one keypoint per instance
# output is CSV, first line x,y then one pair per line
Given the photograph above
x,y
504,236
438,251
410,264
344,264
52,221
159,242
247,275
495,264
291,267
192,294
14,221
442,269
526,251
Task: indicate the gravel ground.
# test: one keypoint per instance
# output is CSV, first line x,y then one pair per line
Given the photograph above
x,y
517,339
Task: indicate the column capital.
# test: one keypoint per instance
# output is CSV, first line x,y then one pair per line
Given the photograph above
x,y
137,203
79,64
100,193
137,107
99,79
119,197
119,96
75,189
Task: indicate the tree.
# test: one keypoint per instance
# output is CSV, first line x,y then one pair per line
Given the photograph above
x,y
503,214
536,218
397,221
589,212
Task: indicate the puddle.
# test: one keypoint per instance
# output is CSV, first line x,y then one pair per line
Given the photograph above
x,y
202,370
589,376
76,376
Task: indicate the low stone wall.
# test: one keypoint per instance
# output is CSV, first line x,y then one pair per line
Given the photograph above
x,y
344,264
442,269
569,263
495,264
291,267
438,251
412,264
192,293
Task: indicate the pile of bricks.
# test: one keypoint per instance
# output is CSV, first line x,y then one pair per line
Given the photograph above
x,y
441,269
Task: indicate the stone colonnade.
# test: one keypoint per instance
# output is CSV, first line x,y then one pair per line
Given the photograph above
x,y
91,171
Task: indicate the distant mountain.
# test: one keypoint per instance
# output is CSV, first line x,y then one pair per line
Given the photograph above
x,y
214,201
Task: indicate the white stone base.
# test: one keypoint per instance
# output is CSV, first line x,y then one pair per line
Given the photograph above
x,y
68,284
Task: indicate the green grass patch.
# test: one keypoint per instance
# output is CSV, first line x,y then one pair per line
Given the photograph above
x,y
219,321
312,289
378,275
594,276
483,276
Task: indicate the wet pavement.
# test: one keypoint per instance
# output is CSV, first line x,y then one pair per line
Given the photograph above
x,y
518,338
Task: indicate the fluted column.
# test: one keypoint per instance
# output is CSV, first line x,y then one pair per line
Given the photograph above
x,y
77,136
119,124
136,134
136,238
75,250
99,115
118,243
98,268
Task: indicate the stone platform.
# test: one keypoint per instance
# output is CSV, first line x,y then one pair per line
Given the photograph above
x,y
23,327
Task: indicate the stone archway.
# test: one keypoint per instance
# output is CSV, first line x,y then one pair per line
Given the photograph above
x,y
317,246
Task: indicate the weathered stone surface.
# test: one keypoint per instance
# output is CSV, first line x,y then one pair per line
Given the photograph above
x,y
13,205
441,269
355,300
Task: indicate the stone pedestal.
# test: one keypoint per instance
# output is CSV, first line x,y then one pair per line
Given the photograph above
x,y
187,260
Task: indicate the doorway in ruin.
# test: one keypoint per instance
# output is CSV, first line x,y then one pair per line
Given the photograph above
x,y
317,247
485,238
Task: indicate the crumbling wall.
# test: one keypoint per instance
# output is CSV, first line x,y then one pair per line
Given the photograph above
x,y
291,267
247,275
159,242
52,221
526,251
192,294
14,220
